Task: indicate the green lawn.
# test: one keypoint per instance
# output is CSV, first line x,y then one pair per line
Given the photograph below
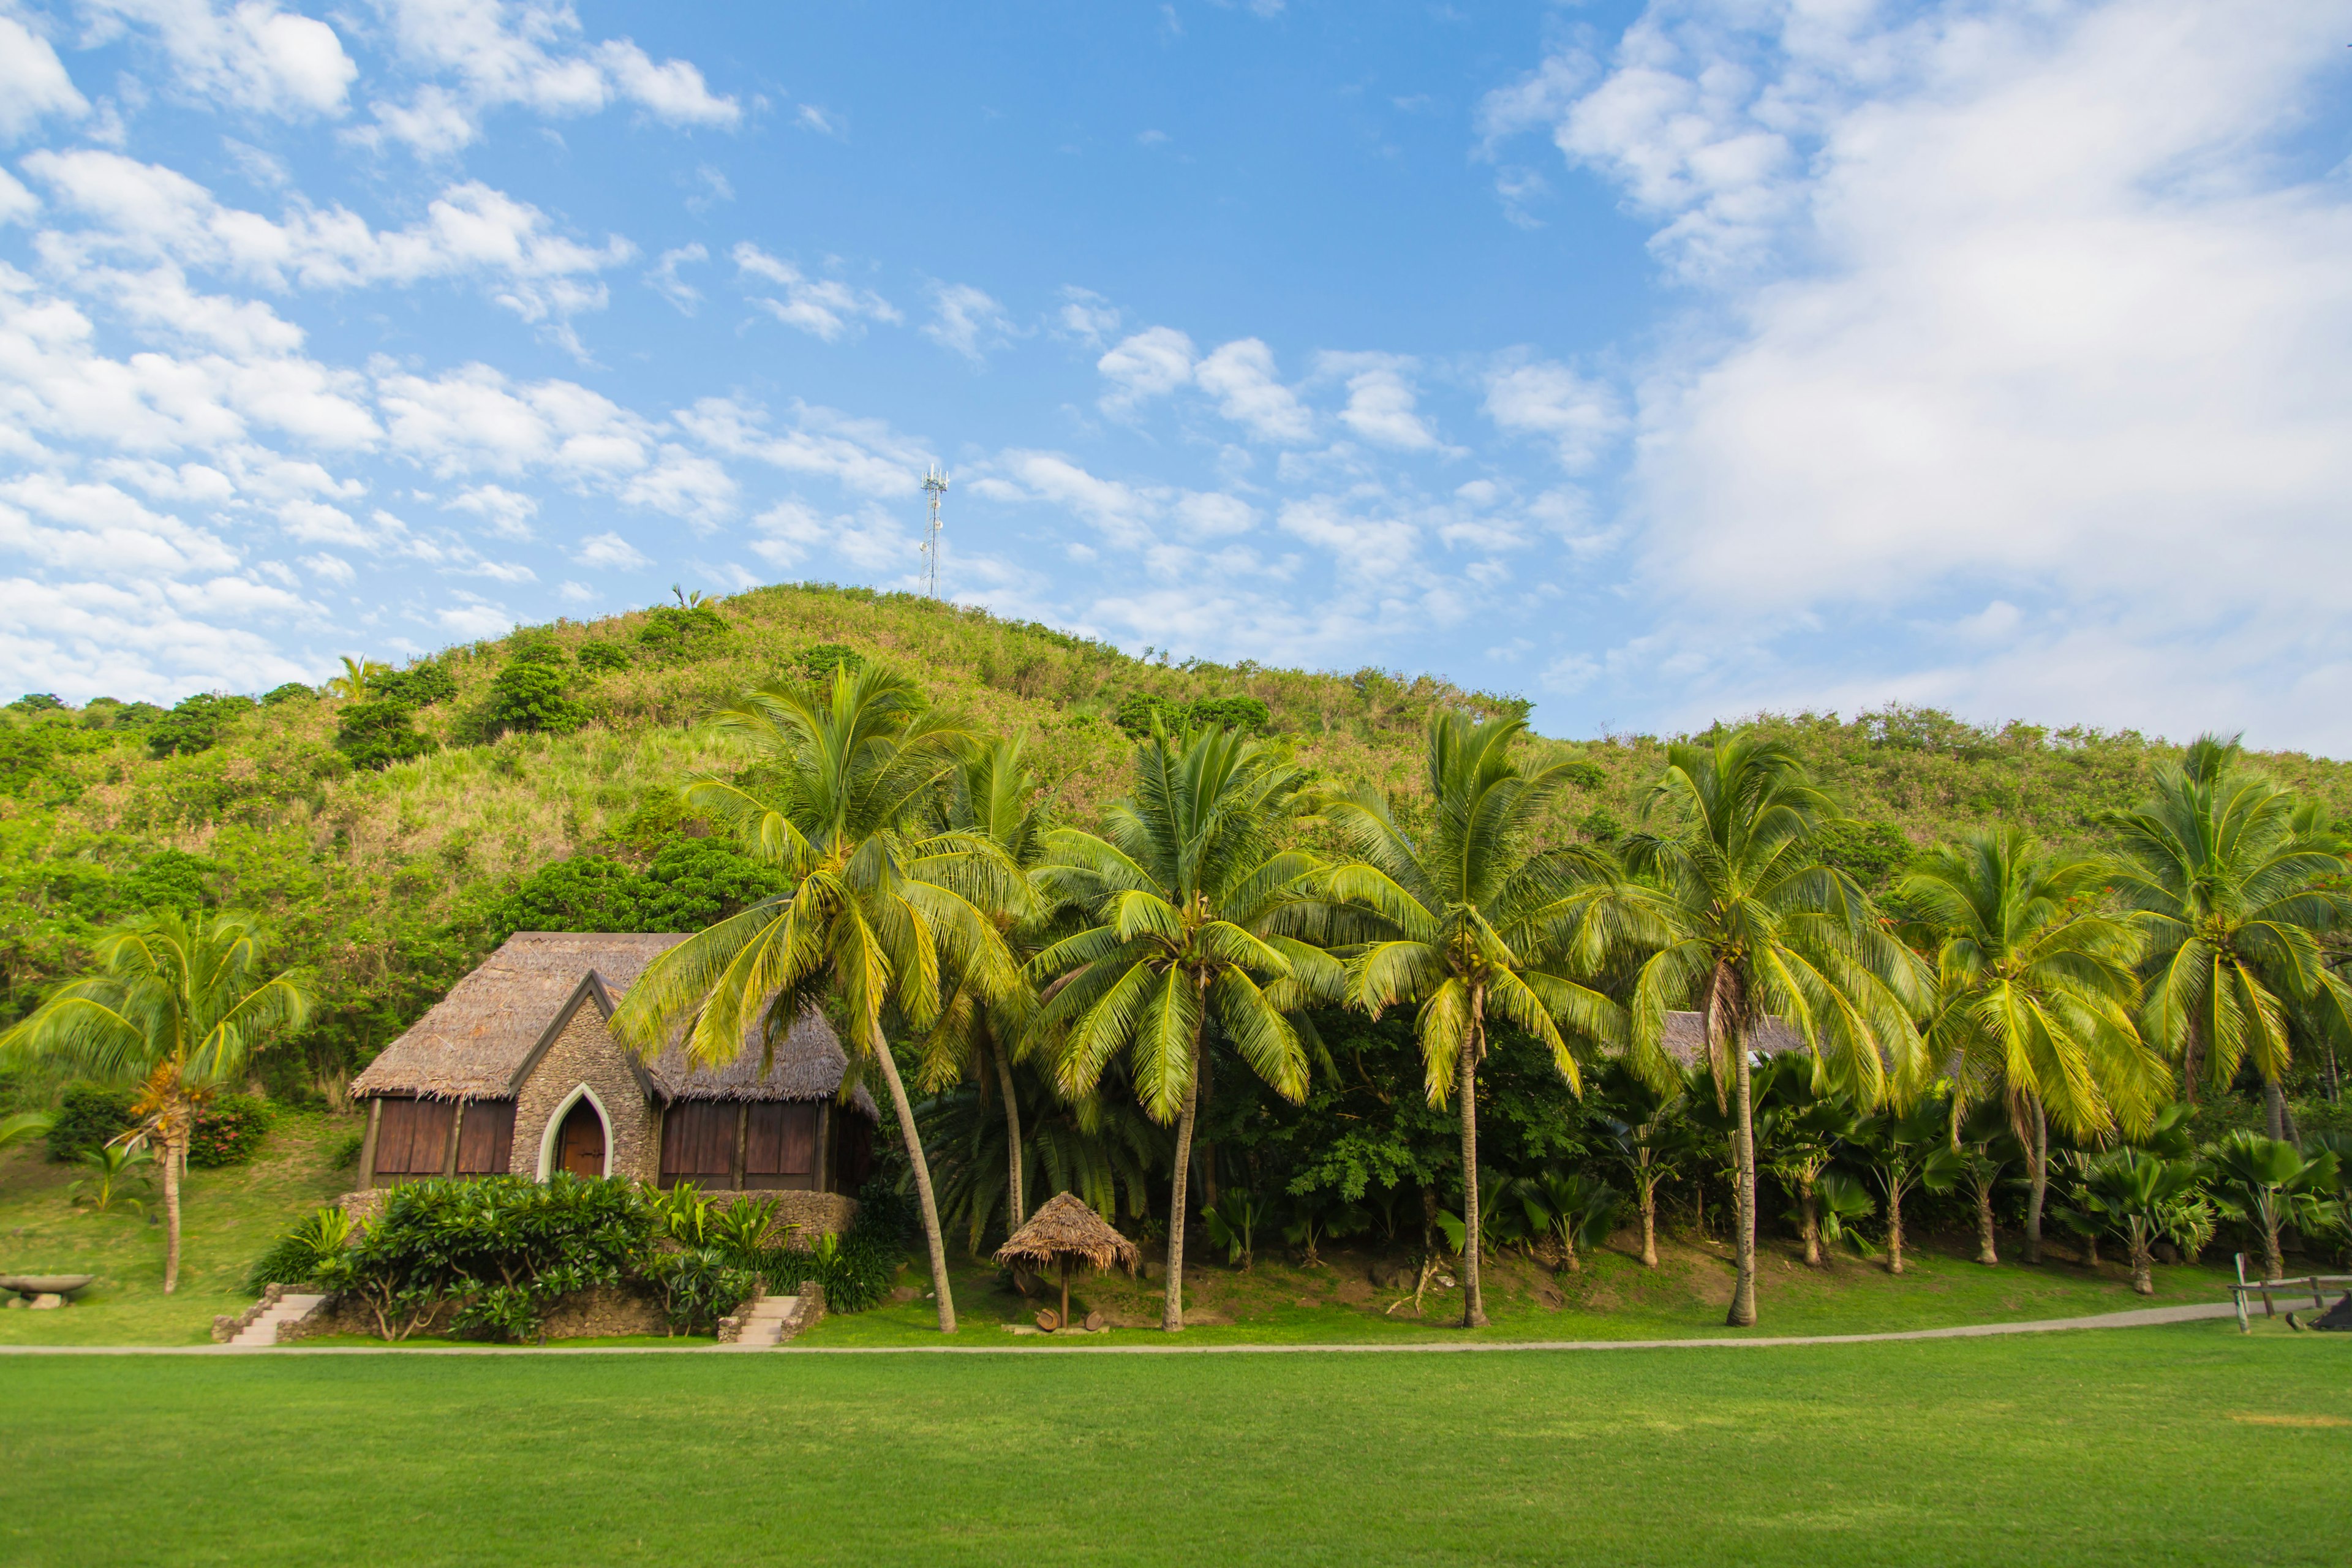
x,y
2185,1444
229,1217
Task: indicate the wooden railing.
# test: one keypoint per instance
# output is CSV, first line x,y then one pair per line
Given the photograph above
x,y
2311,1284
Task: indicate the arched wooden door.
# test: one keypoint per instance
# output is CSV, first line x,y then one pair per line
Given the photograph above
x,y
581,1149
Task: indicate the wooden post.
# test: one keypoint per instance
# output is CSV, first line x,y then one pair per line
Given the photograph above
x,y
2239,1296
1066,1290
2318,1302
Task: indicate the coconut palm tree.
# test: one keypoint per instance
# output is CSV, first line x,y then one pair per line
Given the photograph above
x,y
1741,921
2034,995
1197,906
177,1004
1481,921
2232,882
996,795
878,902
358,674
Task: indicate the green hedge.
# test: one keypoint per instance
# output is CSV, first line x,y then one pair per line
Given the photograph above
x,y
228,1127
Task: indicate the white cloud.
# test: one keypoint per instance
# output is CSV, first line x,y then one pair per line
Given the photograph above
x,y
966,320
249,55
506,513
83,639
33,83
611,552
665,279
1366,548
1383,405
685,485
474,420
1240,376
1155,360
494,54
865,456
2065,322
821,306
1089,318
1582,418
147,211
822,121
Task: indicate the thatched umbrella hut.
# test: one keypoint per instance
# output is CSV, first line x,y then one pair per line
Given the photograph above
x,y
1062,1229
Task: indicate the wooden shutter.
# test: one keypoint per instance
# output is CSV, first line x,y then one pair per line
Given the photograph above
x,y
412,1136
763,1141
699,1140
486,1138
433,1118
394,1126
799,1139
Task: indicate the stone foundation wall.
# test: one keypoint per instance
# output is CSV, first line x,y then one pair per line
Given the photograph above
x,y
598,1312
814,1213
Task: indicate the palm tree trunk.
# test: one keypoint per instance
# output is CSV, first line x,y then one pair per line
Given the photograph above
x,y
1014,1208
171,1212
1473,1303
922,1181
1986,1252
1206,1075
2037,1161
1650,1224
2143,1266
1171,1306
1893,1226
1743,1153
1808,1202
2274,1112
2274,1258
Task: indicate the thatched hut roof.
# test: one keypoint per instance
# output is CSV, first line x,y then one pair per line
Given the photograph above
x,y
1685,1038
1064,1227
480,1040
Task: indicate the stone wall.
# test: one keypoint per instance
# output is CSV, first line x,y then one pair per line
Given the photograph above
x,y
586,1053
815,1213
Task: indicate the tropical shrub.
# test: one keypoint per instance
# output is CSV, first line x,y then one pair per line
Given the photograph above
x,y
195,724
856,1267
819,662
691,884
114,1170
170,880
697,1286
672,631
227,1128
88,1117
533,696
376,734
604,655
1136,709
418,685
298,1256
292,691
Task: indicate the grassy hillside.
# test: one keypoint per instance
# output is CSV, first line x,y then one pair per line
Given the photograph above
x,y
388,883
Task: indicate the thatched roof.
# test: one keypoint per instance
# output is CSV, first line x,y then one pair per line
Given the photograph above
x,y
1064,1227
1685,1038
479,1041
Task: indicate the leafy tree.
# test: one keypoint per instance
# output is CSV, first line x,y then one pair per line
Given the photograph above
x,y
418,685
1138,711
292,691
537,644
2035,987
696,882
172,879
2277,1187
818,661
1905,1150
1742,922
875,905
585,893
375,735
2233,883
996,795
37,702
604,655
1647,1140
674,632
1469,916
195,724
1194,896
533,696
178,1006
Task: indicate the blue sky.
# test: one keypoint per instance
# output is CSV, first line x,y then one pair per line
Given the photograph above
x,y
1660,362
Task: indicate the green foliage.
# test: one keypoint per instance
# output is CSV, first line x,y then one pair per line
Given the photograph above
x,y
533,696
298,1256
1136,710
856,1267
819,662
375,735
587,893
1584,775
537,644
172,879
697,1286
196,725
117,1172
604,655
1873,853
90,1116
692,883
292,691
37,702
228,1127
418,685
673,632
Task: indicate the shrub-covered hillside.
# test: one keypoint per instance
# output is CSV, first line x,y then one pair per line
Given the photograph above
x,y
398,823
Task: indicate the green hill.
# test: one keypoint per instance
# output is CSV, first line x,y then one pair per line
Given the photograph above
x,y
391,883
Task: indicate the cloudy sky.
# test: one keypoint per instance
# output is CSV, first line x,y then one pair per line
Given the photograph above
x,y
1660,362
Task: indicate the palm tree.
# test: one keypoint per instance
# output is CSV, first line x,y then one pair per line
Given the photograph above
x,y
1475,912
878,904
2231,883
1743,922
1907,1148
1195,902
995,795
2277,1187
2135,1194
1649,1141
177,1006
2035,988
1798,1132
358,674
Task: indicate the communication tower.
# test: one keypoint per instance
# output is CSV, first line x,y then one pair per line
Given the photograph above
x,y
935,485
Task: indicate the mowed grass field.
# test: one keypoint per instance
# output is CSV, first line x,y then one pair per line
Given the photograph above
x,y
2177,1445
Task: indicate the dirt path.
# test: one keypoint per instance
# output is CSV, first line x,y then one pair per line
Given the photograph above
x,y
2143,1318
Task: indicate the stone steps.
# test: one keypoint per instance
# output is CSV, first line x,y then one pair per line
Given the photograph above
x,y
288,1308
770,1320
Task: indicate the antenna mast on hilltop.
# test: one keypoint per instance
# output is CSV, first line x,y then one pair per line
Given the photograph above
x,y
935,485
